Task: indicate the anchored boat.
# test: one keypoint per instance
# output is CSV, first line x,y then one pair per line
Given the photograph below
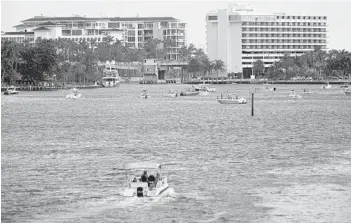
x,y
144,94
144,180
231,99
74,94
189,92
10,91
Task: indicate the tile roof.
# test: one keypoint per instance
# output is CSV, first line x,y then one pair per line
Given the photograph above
x,y
72,18
18,33
47,24
41,28
20,25
36,19
144,19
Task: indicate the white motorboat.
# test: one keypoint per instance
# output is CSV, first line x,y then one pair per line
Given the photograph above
x,y
111,77
348,92
269,87
74,94
149,184
204,87
144,94
231,99
189,92
328,86
10,91
171,94
306,91
294,95
204,93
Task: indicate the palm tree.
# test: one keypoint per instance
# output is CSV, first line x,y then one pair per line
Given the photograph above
x,y
10,57
219,66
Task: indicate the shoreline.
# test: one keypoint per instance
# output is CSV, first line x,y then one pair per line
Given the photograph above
x,y
313,82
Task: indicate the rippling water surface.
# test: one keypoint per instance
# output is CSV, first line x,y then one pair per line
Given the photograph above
x,y
291,162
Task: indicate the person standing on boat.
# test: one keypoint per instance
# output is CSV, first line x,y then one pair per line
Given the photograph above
x,y
144,176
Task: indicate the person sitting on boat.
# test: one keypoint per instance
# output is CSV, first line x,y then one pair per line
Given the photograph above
x,y
144,176
151,180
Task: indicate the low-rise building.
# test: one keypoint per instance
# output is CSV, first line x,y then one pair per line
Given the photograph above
x,y
130,31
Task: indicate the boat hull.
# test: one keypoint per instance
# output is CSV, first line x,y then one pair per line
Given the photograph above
x,y
231,101
170,95
189,93
110,84
348,93
72,96
11,93
204,93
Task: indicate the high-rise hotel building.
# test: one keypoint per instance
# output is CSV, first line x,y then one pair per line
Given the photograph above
x,y
239,36
130,31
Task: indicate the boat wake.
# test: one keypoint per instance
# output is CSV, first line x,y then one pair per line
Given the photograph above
x,y
119,205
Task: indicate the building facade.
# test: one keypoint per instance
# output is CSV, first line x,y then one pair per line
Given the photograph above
x,y
132,31
239,36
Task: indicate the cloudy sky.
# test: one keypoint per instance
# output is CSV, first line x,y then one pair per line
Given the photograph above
x,y
193,12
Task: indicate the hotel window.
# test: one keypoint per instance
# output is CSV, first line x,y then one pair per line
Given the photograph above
x,y
212,17
131,32
76,32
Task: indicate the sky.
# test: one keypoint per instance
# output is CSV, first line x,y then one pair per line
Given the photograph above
x,y
192,12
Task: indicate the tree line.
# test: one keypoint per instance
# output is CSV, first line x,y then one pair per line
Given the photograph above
x,y
317,64
70,61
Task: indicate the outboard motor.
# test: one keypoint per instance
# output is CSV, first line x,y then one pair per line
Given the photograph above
x,y
140,192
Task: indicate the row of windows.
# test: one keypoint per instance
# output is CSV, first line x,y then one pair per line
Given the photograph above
x,y
284,29
262,57
270,52
283,41
214,18
82,25
284,23
280,47
283,35
17,39
250,63
97,39
173,32
302,17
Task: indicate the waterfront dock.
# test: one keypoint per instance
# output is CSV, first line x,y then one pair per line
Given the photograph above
x,y
248,81
51,88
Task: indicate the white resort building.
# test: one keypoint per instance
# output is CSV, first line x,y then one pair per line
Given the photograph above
x,y
239,36
130,31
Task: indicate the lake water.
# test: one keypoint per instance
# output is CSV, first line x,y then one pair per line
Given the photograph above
x,y
291,162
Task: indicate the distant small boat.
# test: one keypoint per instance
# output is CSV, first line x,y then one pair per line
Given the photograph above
x,y
231,99
344,86
144,94
10,91
171,94
328,86
306,91
74,94
189,92
294,95
204,93
348,92
204,87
